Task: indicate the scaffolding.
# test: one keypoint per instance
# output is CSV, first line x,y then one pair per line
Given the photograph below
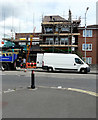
x,y
59,32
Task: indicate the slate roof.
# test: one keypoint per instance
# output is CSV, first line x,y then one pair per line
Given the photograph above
x,y
55,18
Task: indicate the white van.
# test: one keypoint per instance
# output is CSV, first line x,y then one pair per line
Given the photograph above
x,y
39,60
59,61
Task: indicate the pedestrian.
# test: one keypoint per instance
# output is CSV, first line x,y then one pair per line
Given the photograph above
x,y
24,62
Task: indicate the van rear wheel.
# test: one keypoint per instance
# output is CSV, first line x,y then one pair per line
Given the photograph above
x,y
50,69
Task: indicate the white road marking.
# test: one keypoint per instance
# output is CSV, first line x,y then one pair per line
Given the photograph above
x,y
9,90
59,87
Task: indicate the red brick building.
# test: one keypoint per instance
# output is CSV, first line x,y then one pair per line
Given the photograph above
x,y
91,43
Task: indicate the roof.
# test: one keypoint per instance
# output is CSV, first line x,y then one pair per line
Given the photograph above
x,y
55,18
90,27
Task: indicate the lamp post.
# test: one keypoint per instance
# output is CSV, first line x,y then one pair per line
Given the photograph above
x,y
85,31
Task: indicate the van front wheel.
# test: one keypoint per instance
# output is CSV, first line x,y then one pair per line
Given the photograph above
x,y
83,70
50,69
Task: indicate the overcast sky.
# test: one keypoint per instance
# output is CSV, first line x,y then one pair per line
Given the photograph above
x,y
23,15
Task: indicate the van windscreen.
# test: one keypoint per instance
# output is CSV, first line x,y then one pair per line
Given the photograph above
x,y
78,61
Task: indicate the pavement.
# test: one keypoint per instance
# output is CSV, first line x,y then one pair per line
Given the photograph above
x,y
92,71
44,102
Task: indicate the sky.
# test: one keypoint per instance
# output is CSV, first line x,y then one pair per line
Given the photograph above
x,y
23,15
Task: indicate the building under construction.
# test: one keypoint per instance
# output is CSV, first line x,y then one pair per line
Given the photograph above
x,y
59,34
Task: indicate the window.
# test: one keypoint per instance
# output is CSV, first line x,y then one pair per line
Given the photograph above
x,y
64,41
56,40
88,47
88,33
49,40
49,30
88,60
64,29
56,29
78,61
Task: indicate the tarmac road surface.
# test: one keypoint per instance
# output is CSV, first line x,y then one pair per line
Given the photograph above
x,y
57,95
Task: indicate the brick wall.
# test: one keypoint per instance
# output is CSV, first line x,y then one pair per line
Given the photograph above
x,y
89,40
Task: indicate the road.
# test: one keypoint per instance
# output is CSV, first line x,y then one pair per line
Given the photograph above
x,y
15,79
57,95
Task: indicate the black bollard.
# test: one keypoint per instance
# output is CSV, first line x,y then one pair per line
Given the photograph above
x,y
32,80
